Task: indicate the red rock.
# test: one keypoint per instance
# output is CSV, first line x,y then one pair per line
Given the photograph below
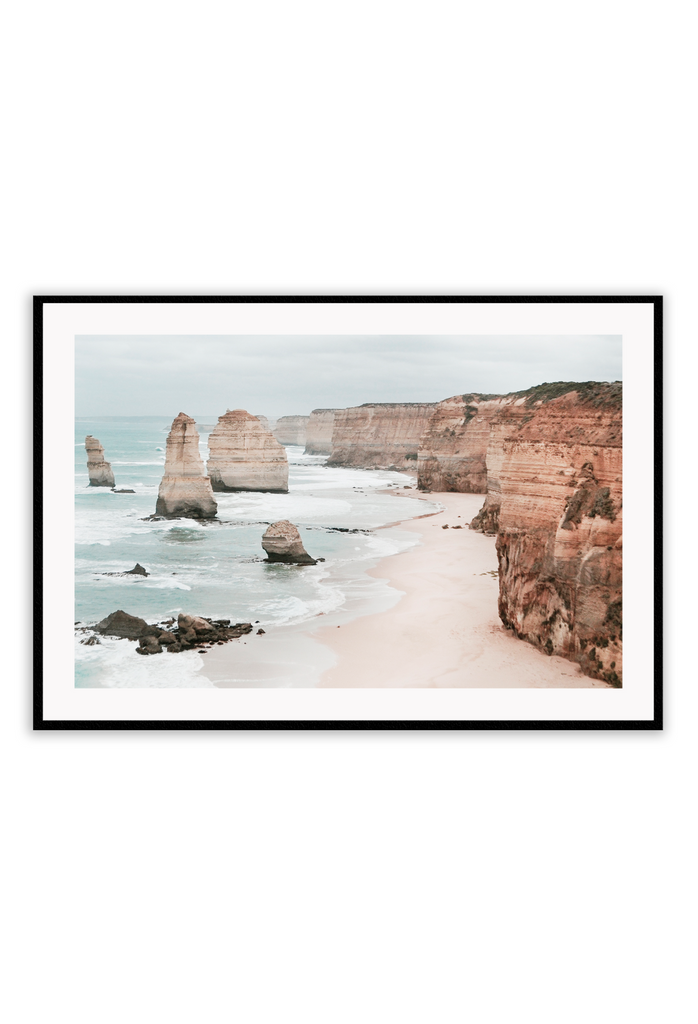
x,y
555,499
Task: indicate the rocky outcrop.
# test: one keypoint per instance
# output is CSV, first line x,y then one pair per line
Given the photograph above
x,y
244,456
555,499
263,420
452,453
380,435
122,624
185,490
137,570
194,633
99,470
191,632
318,439
282,543
291,429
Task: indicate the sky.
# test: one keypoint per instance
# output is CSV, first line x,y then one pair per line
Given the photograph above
x,y
158,375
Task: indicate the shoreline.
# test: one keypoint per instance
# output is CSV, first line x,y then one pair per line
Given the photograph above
x,y
445,631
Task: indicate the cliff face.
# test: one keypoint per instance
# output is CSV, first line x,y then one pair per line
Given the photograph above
x,y
318,439
185,490
99,470
379,435
244,456
453,450
291,429
555,499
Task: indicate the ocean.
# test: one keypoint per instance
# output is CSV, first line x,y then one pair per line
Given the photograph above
x,y
217,569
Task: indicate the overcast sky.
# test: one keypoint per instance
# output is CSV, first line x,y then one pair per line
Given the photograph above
x,y
141,375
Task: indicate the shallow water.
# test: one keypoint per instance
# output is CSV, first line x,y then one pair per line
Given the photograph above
x,y
217,569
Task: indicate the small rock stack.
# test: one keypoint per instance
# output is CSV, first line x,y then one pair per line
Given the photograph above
x,y
99,470
282,543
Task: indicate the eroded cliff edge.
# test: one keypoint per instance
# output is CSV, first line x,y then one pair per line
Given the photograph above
x,y
382,435
555,500
452,454
291,429
318,437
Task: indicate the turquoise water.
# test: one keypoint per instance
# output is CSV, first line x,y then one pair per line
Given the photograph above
x,y
217,569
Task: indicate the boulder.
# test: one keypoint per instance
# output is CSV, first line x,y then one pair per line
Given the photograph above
x,y
318,437
291,429
193,623
148,645
282,543
99,470
122,624
137,570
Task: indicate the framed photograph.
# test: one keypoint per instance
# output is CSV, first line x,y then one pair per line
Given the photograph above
x,y
348,512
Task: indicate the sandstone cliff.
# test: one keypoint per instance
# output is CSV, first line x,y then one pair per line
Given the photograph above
x,y
318,440
185,490
379,435
244,456
291,429
555,499
99,470
452,453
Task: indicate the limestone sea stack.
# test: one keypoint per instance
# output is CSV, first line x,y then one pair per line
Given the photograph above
x,y
99,469
381,435
555,500
282,543
318,438
185,490
291,429
244,456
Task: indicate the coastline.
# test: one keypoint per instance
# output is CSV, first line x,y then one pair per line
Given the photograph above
x,y
445,631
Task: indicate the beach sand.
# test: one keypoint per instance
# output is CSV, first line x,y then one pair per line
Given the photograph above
x,y
445,632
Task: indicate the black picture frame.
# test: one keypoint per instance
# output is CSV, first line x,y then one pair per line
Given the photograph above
x,y
40,723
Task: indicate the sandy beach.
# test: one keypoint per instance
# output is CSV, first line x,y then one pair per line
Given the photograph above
x,y
445,631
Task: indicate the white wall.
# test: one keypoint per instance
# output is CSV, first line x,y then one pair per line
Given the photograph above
x,y
366,147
